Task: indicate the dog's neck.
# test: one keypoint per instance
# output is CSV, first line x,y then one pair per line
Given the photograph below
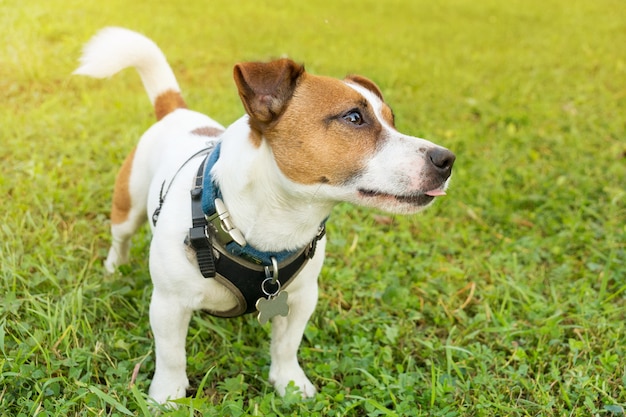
x,y
272,212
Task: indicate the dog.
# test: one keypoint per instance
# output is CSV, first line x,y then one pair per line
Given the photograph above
x,y
238,213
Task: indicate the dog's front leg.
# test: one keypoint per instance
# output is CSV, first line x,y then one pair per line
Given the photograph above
x,y
287,334
169,320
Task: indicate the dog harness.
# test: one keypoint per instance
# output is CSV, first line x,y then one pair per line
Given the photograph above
x,y
222,252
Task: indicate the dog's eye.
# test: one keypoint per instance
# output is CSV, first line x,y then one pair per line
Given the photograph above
x,y
354,117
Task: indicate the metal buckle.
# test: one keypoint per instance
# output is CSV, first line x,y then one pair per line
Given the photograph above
x,y
309,251
225,224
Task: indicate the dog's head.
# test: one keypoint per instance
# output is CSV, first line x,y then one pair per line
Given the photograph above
x,y
339,137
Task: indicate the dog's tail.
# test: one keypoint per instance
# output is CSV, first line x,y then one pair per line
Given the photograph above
x,y
113,49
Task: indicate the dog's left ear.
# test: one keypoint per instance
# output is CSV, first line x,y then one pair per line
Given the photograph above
x,y
266,88
367,83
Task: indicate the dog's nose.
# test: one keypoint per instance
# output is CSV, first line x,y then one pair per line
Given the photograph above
x,y
442,159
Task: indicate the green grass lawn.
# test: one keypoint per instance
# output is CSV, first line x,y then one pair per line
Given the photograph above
x,y
507,298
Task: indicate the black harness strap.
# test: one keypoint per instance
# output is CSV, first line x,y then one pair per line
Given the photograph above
x,y
162,194
248,282
199,237
244,278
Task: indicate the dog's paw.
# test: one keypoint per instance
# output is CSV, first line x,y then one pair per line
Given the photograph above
x,y
109,266
113,261
281,380
118,255
163,391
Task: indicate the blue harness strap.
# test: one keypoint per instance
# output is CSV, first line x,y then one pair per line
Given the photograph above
x,y
242,269
210,192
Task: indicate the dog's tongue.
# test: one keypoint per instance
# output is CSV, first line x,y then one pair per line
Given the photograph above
x,y
435,193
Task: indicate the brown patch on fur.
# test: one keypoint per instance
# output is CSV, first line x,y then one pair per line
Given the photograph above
x,y
367,83
265,89
121,193
207,131
388,115
167,102
313,143
255,137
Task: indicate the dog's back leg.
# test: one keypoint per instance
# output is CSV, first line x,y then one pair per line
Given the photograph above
x,y
110,51
128,212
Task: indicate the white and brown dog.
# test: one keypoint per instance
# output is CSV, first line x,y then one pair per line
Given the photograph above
x,y
306,143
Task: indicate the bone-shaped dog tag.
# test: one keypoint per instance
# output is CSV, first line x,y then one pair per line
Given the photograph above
x,y
272,307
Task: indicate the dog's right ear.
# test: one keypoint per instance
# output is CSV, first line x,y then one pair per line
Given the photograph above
x,y
266,88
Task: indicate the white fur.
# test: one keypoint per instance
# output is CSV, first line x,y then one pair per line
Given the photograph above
x,y
114,49
273,212
179,289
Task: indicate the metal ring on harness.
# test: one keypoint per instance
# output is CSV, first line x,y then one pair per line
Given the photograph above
x,y
266,292
273,275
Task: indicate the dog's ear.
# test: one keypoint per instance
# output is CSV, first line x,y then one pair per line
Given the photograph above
x,y
367,83
266,88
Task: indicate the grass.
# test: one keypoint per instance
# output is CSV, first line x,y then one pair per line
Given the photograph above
x,y
507,298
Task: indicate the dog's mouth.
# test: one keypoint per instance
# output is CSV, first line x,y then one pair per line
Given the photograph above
x,y
416,199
